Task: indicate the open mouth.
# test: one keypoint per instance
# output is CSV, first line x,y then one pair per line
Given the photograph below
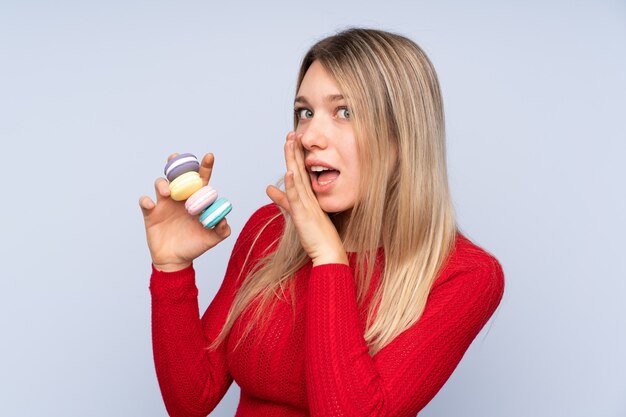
x,y
324,175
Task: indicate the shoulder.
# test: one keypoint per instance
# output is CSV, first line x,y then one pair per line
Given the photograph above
x,y
268,215
474,268
467,255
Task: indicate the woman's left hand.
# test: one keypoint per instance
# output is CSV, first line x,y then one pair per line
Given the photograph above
x,y
317,233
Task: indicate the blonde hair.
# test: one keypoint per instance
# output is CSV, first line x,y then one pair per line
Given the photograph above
x,y
395,103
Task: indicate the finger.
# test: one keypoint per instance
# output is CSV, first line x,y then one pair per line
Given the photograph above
x,y
303,177
290,135
220,231
288,162
174,155
298,183
162,189
290,159
146,205
278,197
299,153
293,196
206,168
222,228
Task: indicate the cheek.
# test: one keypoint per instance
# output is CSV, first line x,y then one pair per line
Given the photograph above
x,y
354,170
352,159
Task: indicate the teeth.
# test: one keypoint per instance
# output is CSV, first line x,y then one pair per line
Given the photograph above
x,y
319,169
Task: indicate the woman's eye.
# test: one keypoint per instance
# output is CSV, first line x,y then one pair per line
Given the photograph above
x,y
303,113
345,111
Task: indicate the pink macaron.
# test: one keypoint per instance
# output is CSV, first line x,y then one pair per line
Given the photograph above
x,y
200,200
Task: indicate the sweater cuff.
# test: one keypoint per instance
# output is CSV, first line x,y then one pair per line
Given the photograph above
x,y
164,283
326,268
331,269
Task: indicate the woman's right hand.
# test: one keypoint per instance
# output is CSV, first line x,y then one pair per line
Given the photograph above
x,y
176,238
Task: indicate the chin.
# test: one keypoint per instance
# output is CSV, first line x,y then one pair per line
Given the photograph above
x,y
334,207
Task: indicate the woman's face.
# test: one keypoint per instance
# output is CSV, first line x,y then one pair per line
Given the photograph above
x,y
328,139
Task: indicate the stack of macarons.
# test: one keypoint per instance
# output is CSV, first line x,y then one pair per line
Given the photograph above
x,y
182,172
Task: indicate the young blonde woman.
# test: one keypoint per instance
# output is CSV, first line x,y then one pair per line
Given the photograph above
x,y
354,293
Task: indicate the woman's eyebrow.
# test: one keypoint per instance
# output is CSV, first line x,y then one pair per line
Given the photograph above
x,y
329,98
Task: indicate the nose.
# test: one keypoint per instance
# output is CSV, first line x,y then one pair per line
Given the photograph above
x,y
313,134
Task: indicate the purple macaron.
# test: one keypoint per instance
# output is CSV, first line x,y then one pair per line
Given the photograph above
x,y
185,162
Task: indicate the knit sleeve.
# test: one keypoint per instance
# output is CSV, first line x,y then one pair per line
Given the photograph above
x,y
193,379
344,380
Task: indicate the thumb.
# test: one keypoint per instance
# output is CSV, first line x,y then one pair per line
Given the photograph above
x,y
278,197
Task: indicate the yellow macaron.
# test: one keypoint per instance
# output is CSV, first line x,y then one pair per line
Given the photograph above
x,y
185,185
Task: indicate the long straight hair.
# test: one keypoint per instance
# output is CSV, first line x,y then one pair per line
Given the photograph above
x,y
395,102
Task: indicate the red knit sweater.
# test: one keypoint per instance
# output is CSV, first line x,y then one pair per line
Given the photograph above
x,y
317,364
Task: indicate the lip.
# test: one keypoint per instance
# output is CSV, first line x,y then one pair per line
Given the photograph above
x,y
316,162
317,188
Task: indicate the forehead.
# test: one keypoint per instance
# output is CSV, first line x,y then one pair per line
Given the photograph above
x,y
317,79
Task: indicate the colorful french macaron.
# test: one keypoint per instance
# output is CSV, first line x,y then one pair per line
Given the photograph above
x,y
215,212
185,162
200,200
185,185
